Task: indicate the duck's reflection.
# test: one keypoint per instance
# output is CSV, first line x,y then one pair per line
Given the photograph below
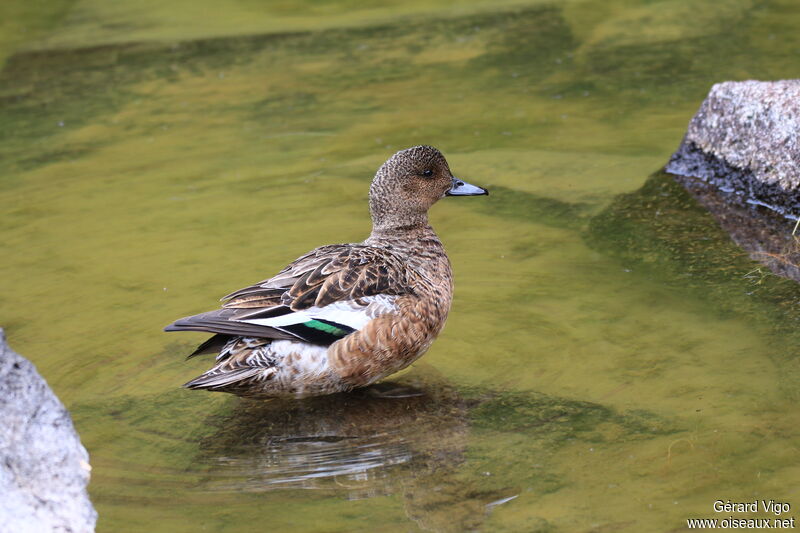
x,y
406,438
357,442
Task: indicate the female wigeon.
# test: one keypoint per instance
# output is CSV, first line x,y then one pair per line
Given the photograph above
x,y
343,315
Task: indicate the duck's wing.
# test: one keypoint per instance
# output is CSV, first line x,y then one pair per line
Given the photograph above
x,y
326,275
319,298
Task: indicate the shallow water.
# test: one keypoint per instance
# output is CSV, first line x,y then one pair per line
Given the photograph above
x,y
612,362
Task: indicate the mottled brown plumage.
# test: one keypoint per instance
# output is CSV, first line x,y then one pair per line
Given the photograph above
x,y
343,315
326,275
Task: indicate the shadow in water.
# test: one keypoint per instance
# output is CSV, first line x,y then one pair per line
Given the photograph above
x,y
450,456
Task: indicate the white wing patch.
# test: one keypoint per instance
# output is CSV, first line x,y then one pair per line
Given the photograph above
x,y
349,313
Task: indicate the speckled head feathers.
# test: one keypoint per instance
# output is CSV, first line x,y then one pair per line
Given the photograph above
x,y
407,185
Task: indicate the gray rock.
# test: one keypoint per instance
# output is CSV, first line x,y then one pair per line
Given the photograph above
x,y
746,138
44,469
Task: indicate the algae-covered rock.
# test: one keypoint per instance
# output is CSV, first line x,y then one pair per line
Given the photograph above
x,y
44,469
662,233
765,235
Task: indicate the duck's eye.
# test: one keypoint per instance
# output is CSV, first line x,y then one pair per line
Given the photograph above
x,y
427,173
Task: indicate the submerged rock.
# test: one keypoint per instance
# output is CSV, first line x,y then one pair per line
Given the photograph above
x,y
676,232
764,234
745,138
44,469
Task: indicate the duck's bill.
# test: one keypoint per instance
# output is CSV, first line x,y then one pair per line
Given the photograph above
x,y
462,188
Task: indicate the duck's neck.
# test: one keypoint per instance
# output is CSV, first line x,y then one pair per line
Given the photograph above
x,y
405,225
414,230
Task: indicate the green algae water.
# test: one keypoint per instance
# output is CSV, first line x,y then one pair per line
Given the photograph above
x,y
612,361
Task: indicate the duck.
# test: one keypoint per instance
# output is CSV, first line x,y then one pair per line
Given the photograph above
x,y
342,316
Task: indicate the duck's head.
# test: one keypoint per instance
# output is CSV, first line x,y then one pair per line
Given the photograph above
x,y
409,183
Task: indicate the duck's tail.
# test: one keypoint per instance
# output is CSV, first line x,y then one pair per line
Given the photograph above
x,y
231,380
226,322
212,345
